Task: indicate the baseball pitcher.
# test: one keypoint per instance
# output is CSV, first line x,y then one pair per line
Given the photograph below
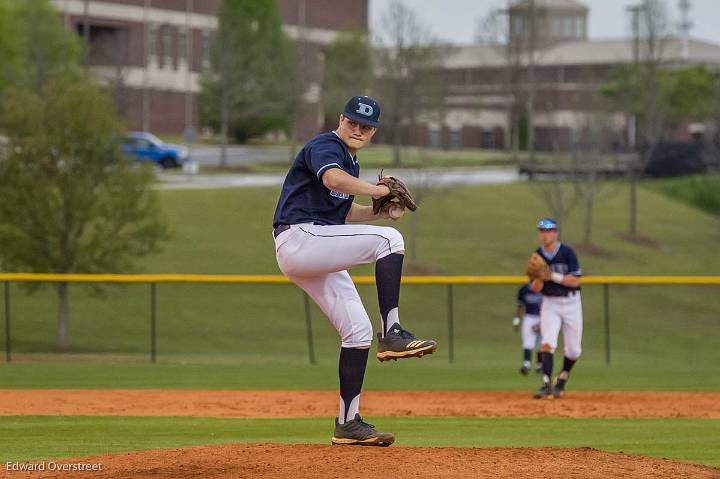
x,y
555,272
316,243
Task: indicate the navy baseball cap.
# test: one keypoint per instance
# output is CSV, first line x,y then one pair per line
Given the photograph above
x,y
363,109
547,224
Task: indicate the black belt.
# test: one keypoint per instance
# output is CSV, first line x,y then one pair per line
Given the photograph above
x,y
280,229
568,293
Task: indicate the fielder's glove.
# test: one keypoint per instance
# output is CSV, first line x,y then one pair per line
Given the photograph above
x,y
537,268
398,194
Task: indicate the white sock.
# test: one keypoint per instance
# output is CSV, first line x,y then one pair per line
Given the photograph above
x,y
351,411
392,317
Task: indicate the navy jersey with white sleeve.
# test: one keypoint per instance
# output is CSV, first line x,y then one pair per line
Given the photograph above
x,y
563,261
304,198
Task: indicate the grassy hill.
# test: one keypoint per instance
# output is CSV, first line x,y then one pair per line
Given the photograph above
x,y
662,337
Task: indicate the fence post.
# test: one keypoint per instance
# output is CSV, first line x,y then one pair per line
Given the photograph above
x,y
451,325
308,327
606,298
8,355
153,322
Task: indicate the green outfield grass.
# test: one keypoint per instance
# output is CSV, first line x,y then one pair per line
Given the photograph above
x,y
430,373
662,337
34,438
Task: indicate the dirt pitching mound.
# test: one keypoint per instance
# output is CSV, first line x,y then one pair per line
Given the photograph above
x,y
287,404
280,461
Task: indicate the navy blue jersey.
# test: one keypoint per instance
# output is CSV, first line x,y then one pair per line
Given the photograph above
x,y
531,300
562,261
304,197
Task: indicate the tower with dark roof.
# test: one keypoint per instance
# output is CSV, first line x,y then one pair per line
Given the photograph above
x,y
555,21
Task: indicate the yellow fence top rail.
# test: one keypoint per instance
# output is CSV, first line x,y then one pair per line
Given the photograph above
x,y
277,279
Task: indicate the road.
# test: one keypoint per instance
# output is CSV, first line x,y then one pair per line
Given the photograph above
x,y
413,177
239,155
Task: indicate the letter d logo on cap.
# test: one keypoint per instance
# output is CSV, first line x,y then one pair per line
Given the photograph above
x,y
365,109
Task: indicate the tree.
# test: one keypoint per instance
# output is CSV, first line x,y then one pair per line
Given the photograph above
x,y
679,94
409,80
71,203
637,89
348,72
34,45
592,156
522,48
691,93
493,28
248,88
10,47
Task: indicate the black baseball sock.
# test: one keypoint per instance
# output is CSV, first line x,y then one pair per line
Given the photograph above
x,y
539,358
547,363
527,354
352,371
567,366
388,271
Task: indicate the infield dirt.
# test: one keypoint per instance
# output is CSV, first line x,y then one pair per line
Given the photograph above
x,y
288,404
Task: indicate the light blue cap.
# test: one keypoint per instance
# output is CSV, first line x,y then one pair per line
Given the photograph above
x,y
547,224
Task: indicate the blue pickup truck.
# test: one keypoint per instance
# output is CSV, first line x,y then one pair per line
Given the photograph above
x,y
147,147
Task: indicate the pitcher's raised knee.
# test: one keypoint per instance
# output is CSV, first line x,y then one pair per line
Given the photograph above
x,y
393,242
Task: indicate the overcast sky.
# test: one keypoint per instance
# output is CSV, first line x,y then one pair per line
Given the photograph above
x,y
456,20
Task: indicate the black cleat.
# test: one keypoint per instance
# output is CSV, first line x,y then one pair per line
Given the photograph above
x,y
524,370
359,433
559,389
399,343
545,392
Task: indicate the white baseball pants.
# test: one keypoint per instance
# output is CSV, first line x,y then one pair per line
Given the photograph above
x,y
317,258
562,312
530,331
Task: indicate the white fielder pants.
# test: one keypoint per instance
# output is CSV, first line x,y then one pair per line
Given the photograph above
x,y
562,312
530,331
317,258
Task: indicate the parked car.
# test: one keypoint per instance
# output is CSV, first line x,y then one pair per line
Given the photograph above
x,y
145,146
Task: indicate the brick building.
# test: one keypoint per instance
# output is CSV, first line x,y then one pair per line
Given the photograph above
x,y
151,52
488,83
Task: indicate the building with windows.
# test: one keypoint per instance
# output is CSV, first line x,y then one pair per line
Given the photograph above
x,y
488,85
151,52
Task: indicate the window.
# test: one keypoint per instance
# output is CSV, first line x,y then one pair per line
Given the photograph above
x,y
434,137
205,49
488,138
518,26
455,138
142,143
541,27
152,42
182,45
167,45
579,27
